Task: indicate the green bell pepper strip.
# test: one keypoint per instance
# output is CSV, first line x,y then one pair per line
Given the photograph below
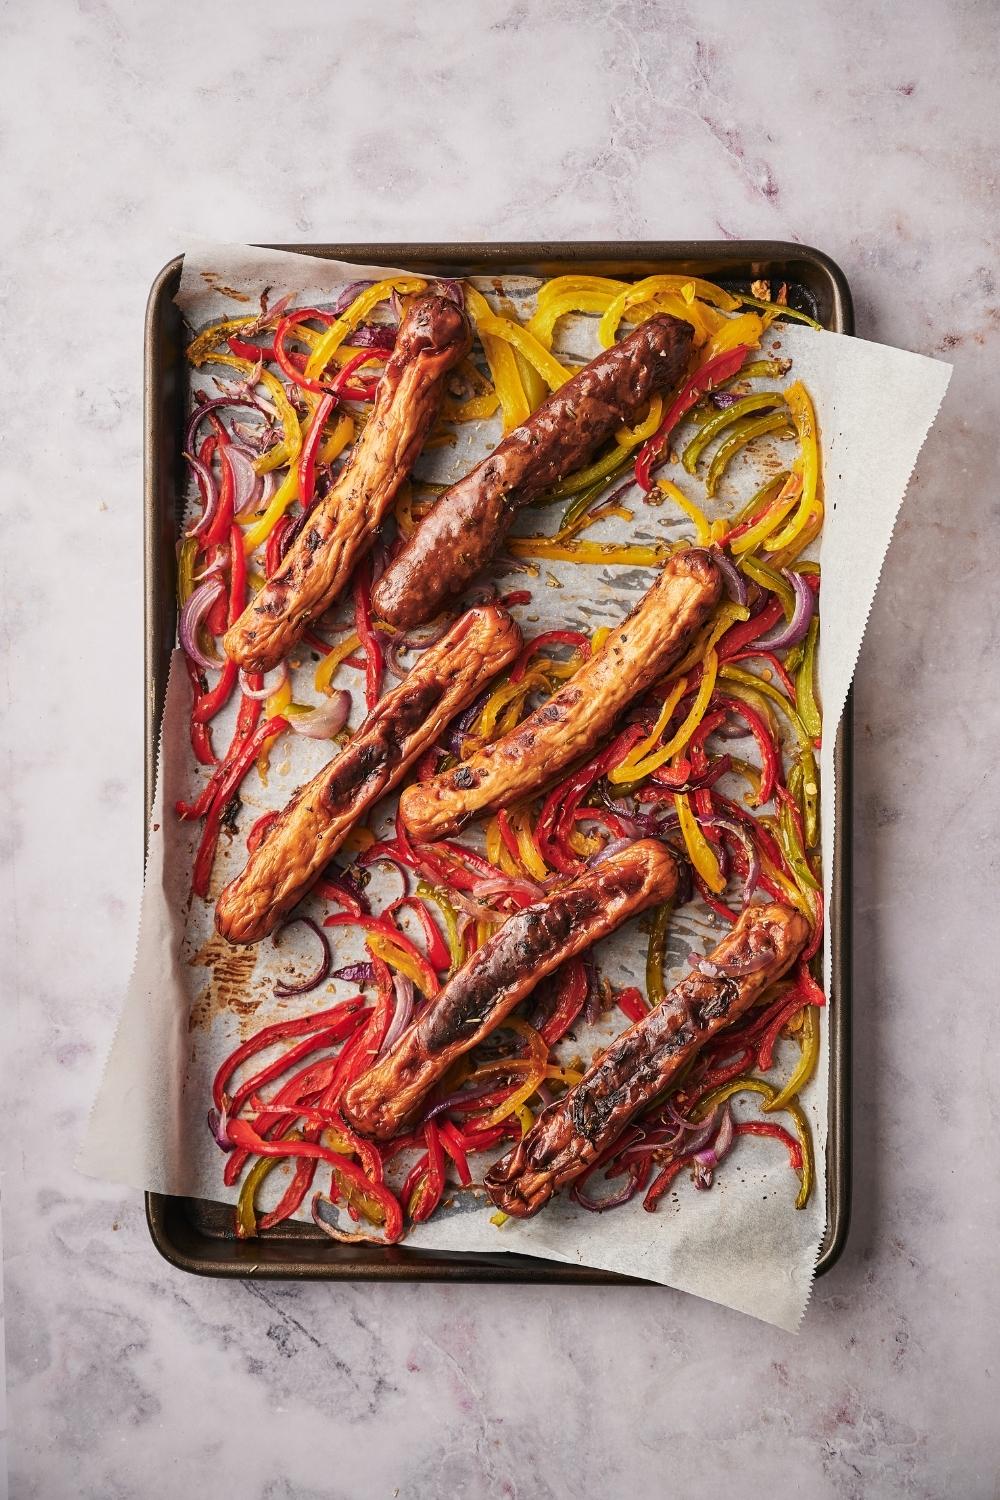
x,y
605,468
768,578
805,754
246,1214
769,1095
743,433
805,683
656,953
793,851
806,1065
780,309
710,429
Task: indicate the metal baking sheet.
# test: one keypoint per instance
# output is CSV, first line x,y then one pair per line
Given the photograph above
x,y
195,1234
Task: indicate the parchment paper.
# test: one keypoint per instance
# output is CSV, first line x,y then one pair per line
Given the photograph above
x,y
191,997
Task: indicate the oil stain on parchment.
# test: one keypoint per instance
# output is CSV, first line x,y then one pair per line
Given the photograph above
x,y
229,985
218,285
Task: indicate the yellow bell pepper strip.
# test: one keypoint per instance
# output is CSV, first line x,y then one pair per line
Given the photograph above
x,y
653,286
336,438
246,1213
284,496
287,451
332,660
595,553
805,683
800,408
768,1094
656,954
338,330
552,372
528,851
779,310
533,681
690,509
637,769
717,423
631,437
503,365
627,770
420,972
542,325
700,851
743,433
778,497
746,328
450,916
210,338
538,1057
806,1065
792,553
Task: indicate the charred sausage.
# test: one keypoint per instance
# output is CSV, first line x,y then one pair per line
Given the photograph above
x,y
637,652
468,523
529,945
433,336
571,1133
306,835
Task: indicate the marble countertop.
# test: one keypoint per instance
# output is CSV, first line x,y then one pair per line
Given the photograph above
x,y
125,130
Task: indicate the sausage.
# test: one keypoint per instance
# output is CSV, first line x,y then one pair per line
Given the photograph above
x,y
638,651
645,1060
467,525
300,843
433,336
529,945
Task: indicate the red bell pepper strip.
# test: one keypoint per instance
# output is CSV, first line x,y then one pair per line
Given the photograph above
x,y
275,549
273,1070
219,529
574,638
242,1133
236,770
662,1181
252,352
374,655
740,635
451,1140
711,899
310,447
571,992
778,1133
392,933
256,835
516,596
632,1002
508,835
414,1175
772,661
281,355
721,368
438,955
428,1195
769,753
201,739
335,890
291,1198
322,1020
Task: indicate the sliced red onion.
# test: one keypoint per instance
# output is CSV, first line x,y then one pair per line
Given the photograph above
x,y
396,303
460,1096
360,973
471,910
735,966
322,970
191,616
382,858
247,483
202,410
792,631
611,848
373,336
449,287
259,694
724,399
735,583
218,1124
209,491
703,965
743,838
708,1159
613,1200
507,886
216,566
348,295
328,719
403,1013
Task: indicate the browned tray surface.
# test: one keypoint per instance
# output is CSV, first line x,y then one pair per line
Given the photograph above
x,y
195,1234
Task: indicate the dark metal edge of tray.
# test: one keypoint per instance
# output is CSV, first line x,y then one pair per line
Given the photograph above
x,y
298,1253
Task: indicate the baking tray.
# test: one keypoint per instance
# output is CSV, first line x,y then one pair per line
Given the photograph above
x,y
196,1235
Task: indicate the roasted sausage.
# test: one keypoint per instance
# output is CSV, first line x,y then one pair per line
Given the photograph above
x,y
467,525
635,654
306,835
529,945
571,1133
433,336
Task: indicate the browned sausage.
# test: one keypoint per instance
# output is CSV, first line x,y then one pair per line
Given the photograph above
x,y
433,336
645,1060
529,945
306,835
637,652
468,523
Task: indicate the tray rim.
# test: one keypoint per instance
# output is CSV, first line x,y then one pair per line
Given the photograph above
x,y
163,1212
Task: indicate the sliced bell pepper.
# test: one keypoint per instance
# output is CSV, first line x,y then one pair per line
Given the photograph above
x,y
705,378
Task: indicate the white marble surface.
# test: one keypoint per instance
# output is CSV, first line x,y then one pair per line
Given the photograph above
x,y
125,128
